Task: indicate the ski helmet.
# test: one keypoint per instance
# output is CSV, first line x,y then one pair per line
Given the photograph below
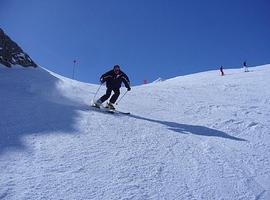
x,y
116,67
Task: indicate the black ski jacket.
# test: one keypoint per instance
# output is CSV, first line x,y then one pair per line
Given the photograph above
x,y
114,81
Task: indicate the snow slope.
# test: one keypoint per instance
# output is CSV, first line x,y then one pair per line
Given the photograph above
x,y
200,136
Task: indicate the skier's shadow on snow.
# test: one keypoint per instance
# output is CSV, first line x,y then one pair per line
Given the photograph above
x,y
191,129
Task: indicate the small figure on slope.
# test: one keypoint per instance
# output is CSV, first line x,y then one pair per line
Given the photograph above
x,y
113,79
245,66
221,70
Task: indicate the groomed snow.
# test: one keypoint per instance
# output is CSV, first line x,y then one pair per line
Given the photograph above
x,y
200,136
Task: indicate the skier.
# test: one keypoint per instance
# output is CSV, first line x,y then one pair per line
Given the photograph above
x,y
113,79
245,67
221,71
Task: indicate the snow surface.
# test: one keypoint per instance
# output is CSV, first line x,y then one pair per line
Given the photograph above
x,y
200,136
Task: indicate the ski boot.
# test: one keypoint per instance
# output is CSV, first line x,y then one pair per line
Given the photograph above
x,y
110,106
97,104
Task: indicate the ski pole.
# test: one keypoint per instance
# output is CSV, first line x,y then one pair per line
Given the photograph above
x,y
121,98
97,92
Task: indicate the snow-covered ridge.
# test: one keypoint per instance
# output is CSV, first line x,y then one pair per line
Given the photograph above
x,y
200,136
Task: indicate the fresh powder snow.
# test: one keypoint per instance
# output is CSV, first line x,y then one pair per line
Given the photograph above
x,y
200,136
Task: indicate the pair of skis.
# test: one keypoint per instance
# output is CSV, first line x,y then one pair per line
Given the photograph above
x,y
107,110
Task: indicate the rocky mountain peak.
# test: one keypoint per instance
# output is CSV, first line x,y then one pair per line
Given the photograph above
x,y
12,54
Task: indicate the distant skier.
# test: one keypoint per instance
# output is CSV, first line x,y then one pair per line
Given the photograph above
x,y
221,70
113,79
245,66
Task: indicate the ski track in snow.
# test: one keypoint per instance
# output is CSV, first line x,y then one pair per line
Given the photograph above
x,y
199,136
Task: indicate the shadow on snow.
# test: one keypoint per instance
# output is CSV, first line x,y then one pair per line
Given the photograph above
x,y
191,129
31,104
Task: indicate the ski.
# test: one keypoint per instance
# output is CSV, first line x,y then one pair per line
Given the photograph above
x,y
103,109
121,112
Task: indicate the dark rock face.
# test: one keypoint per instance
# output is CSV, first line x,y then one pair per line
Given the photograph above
x,y
12,54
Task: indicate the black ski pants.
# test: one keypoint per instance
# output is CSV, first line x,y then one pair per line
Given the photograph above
x,y
108,94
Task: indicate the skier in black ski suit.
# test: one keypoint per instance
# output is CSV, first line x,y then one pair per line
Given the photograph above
x,y
113,79
245,67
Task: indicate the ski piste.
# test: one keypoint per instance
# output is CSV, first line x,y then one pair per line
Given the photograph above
x,y
111,111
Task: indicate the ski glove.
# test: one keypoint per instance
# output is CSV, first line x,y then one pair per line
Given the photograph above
x,y
102,80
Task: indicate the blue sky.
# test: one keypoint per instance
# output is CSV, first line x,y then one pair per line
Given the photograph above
x,y
148,38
